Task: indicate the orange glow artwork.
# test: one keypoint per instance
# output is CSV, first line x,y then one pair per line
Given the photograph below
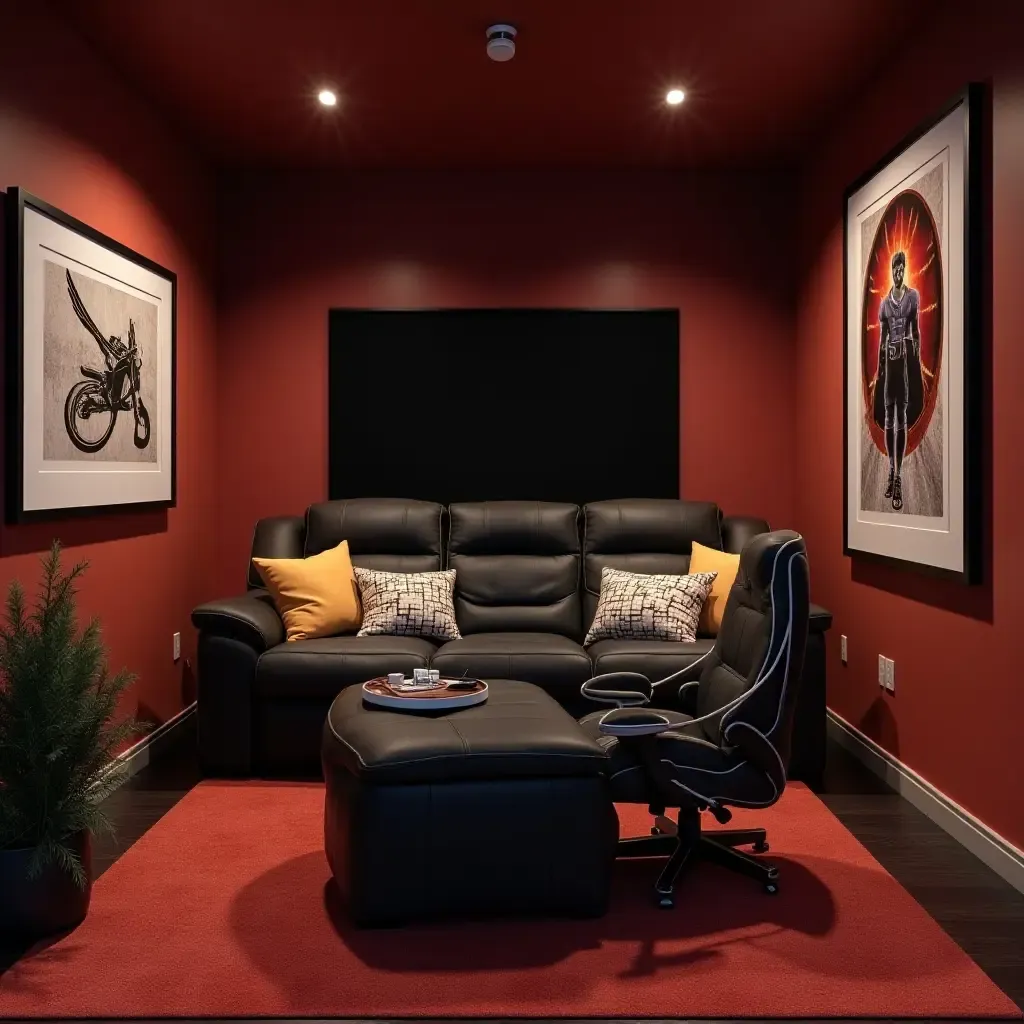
x,y
906,226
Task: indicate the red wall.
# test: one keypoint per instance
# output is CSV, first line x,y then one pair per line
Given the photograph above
x,y
294,245
958,709
73,135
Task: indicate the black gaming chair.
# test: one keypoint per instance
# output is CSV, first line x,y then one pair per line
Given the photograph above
x,y
730,742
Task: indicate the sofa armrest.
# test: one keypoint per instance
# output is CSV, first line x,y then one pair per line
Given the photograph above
x,y
737,530
820,619
250,618
807,750
233,634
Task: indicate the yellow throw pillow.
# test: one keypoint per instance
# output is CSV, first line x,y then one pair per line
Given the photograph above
x,y
315,596
703,559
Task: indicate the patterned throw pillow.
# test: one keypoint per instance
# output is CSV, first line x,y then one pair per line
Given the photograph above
x,y
634,606
408,603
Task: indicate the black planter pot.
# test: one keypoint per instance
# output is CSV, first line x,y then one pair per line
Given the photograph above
x,y
36,908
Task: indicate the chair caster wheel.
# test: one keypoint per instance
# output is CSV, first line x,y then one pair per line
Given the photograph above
x,y
664,902
772,888
760,847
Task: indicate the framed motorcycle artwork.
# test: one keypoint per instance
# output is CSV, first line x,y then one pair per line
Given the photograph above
x,y
913,308
90,388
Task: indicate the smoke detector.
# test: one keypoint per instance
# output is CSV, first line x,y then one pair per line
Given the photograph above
x,y
501,42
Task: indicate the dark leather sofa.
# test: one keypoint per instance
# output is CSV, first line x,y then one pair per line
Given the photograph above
x,y
527,582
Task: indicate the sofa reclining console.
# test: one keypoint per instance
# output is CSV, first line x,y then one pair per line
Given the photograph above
x,y
526,589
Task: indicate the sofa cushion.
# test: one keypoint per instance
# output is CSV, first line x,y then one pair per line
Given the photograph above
x,y
517,565
726,566
393,534
645,535
552,661
315,596
652,658
408,604
321,668
636,606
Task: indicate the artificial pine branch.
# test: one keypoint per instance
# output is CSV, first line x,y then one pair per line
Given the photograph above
x,y
57,730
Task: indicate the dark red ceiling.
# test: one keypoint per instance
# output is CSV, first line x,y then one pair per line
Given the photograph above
x,y
416,88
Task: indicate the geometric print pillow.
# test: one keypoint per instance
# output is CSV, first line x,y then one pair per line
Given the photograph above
x,y
636,606
408,603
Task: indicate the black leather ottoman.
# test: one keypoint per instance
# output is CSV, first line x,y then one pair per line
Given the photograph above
x,y
493,809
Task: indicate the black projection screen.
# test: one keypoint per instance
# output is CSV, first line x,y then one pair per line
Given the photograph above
x,y
490,404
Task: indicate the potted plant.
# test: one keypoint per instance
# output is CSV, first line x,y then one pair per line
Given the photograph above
x,y
58,739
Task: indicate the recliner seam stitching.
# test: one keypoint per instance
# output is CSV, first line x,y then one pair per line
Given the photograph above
x,y
439,757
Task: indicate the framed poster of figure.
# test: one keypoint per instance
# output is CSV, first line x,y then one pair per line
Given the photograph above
x,y
90,388
913,349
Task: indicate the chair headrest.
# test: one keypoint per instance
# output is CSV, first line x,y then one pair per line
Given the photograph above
x,y
766,557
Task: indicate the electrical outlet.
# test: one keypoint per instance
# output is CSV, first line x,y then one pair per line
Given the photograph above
x,y
842,649
177,646
890,675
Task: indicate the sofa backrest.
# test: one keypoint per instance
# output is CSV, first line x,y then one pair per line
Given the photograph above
x,y
517,566
646,535
393,534
275,537
525,566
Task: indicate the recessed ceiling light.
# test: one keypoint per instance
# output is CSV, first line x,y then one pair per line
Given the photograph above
x,y
327,98
674,97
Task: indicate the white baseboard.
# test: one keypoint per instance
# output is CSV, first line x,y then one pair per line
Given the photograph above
x,y
137,756
986,844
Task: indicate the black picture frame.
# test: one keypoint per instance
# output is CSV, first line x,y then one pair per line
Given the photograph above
x,y
17,202
972,99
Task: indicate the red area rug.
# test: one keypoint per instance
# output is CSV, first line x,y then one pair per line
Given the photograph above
x,y
221,910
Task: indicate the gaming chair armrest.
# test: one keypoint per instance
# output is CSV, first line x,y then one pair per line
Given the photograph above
x,y
680,688
687,697
623,689
638,729
758,750
627,722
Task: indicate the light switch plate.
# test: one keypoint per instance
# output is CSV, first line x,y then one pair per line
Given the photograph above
x,y
890,675
882,670
842,649
177,646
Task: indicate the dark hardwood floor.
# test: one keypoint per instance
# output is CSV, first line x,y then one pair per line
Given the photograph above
x,y
146,797
980,911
